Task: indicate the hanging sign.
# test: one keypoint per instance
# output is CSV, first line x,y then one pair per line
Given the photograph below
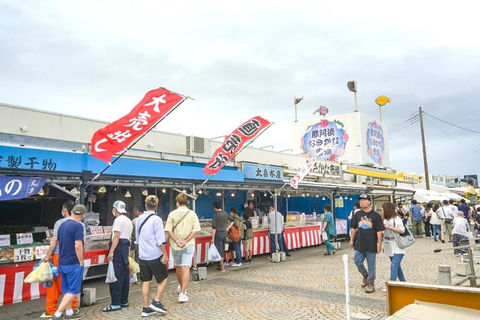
x,y
12,188
326,140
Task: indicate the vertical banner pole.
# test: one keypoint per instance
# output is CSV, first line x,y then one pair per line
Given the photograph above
x,y
347,291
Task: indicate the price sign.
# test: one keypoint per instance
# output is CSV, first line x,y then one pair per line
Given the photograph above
x,y
40,252
96,230
5,240
107,229
23,238
23,254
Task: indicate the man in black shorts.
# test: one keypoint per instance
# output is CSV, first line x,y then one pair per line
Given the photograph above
x,y
150,237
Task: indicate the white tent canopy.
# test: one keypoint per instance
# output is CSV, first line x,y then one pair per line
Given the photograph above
x,y
425,196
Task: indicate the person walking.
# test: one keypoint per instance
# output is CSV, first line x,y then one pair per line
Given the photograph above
x,y
460,232
366,239
402,213
435,222
118,253
416,212
53,293
275,226
71,244
447,217
182,227
426,220
329,227
150,236
221,224
393,223
237,245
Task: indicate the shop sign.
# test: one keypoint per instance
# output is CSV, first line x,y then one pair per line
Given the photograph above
x,y
12,188
24,238
96,230
28,161
40,252
339,202
409,178
327,138
23,254
375,142
5,240
437,179
107,229
326,168
260,172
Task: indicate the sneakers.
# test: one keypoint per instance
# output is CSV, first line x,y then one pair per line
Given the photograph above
x,y
147,312
236,264
72,317
46,315
179,289
226,264
370,287
365,281
157,306
249,261
443,241
53,317
182,297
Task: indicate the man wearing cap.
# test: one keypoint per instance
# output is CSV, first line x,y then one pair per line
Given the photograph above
x,y
416,212
366,239
71,248
118,254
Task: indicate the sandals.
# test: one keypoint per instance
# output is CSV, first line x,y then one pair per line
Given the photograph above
x,y
124,305
111,308
334,251
326,254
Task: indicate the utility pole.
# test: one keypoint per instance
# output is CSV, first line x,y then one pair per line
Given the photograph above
x,y
425,162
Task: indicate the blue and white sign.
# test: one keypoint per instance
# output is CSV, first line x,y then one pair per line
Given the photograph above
x,y
259,172
12,188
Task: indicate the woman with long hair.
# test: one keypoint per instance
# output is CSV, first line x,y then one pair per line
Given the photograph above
x,y
393,223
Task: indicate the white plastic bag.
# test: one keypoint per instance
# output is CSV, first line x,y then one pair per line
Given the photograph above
x,y
110,273
324,236
213,254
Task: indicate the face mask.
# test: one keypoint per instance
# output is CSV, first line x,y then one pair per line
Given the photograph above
x,y
113,212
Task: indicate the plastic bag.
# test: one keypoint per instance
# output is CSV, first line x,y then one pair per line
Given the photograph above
x,y
324,236
213,254
133,278
42,272
110,273
133,266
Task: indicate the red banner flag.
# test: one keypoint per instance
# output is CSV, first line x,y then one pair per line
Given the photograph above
x,y
121,134
234,143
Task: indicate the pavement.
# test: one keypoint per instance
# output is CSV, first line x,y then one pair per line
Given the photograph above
x,y
308,285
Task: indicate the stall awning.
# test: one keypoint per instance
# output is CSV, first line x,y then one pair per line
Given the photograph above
x,y
374,173
426,196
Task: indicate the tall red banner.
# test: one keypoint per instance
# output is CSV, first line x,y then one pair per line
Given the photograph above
x,y
234,143
121,134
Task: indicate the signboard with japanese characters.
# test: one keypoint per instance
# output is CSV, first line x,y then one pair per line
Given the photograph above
x,y
260,172
119,135
375,142
5,240
327,168
12,188
40,251
23,254
23,238
96,230
234,143
328,137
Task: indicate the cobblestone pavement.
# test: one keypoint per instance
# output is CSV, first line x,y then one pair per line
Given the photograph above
x,y
308,285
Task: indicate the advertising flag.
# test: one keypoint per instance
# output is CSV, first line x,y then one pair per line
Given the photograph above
x,y
121,134
304,170
234,143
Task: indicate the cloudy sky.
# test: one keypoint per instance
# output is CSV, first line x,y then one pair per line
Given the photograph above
x,y
97,59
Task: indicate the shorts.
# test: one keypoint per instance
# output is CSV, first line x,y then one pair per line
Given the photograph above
x,y
219,242
183,258
150,268
72,276
247,245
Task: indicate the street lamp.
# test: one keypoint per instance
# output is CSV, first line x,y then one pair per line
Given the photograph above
x,y
352,86
296,101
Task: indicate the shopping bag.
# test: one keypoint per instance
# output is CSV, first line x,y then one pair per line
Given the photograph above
x,y
324,236
110,273
213,254
42,272
133,278
133,266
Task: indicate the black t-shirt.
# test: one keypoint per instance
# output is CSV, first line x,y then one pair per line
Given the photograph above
x,y
367,225
248,213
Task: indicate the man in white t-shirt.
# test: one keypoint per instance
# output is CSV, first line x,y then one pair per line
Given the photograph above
x,y
118,253
453,208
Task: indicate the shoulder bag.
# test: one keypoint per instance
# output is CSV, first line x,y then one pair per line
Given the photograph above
x,y
167,236
447,220
403,240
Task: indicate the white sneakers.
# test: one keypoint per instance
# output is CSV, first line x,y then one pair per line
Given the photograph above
x,y
236,264
182,297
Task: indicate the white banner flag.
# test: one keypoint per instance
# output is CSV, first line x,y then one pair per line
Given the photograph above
x,y
304,170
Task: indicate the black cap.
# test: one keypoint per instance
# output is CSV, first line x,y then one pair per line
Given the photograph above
x,y
365,196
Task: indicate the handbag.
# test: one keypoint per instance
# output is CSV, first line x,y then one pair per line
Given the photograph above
x,y
405,239
447,220
234,234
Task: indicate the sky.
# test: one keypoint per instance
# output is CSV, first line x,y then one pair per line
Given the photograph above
x,y
97,59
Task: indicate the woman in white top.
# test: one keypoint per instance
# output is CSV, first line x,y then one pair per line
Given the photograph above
x,y
393,223
436,222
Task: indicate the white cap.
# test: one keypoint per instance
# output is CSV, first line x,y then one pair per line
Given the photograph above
x,y
120,206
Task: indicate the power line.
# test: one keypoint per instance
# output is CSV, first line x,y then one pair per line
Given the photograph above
x,y
404,126
452,124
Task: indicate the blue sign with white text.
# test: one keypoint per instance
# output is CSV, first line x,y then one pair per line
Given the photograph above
x,y
12,188
257,171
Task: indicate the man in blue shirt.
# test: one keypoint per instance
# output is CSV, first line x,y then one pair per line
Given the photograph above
x,y
467,211
70,260
416,212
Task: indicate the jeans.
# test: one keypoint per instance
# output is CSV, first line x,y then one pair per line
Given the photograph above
x,y
371,257
237,247
280,243
427,229
396,268
436,231
330,246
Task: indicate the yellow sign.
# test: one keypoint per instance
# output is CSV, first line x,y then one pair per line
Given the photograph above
x,y
382,100
410,178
